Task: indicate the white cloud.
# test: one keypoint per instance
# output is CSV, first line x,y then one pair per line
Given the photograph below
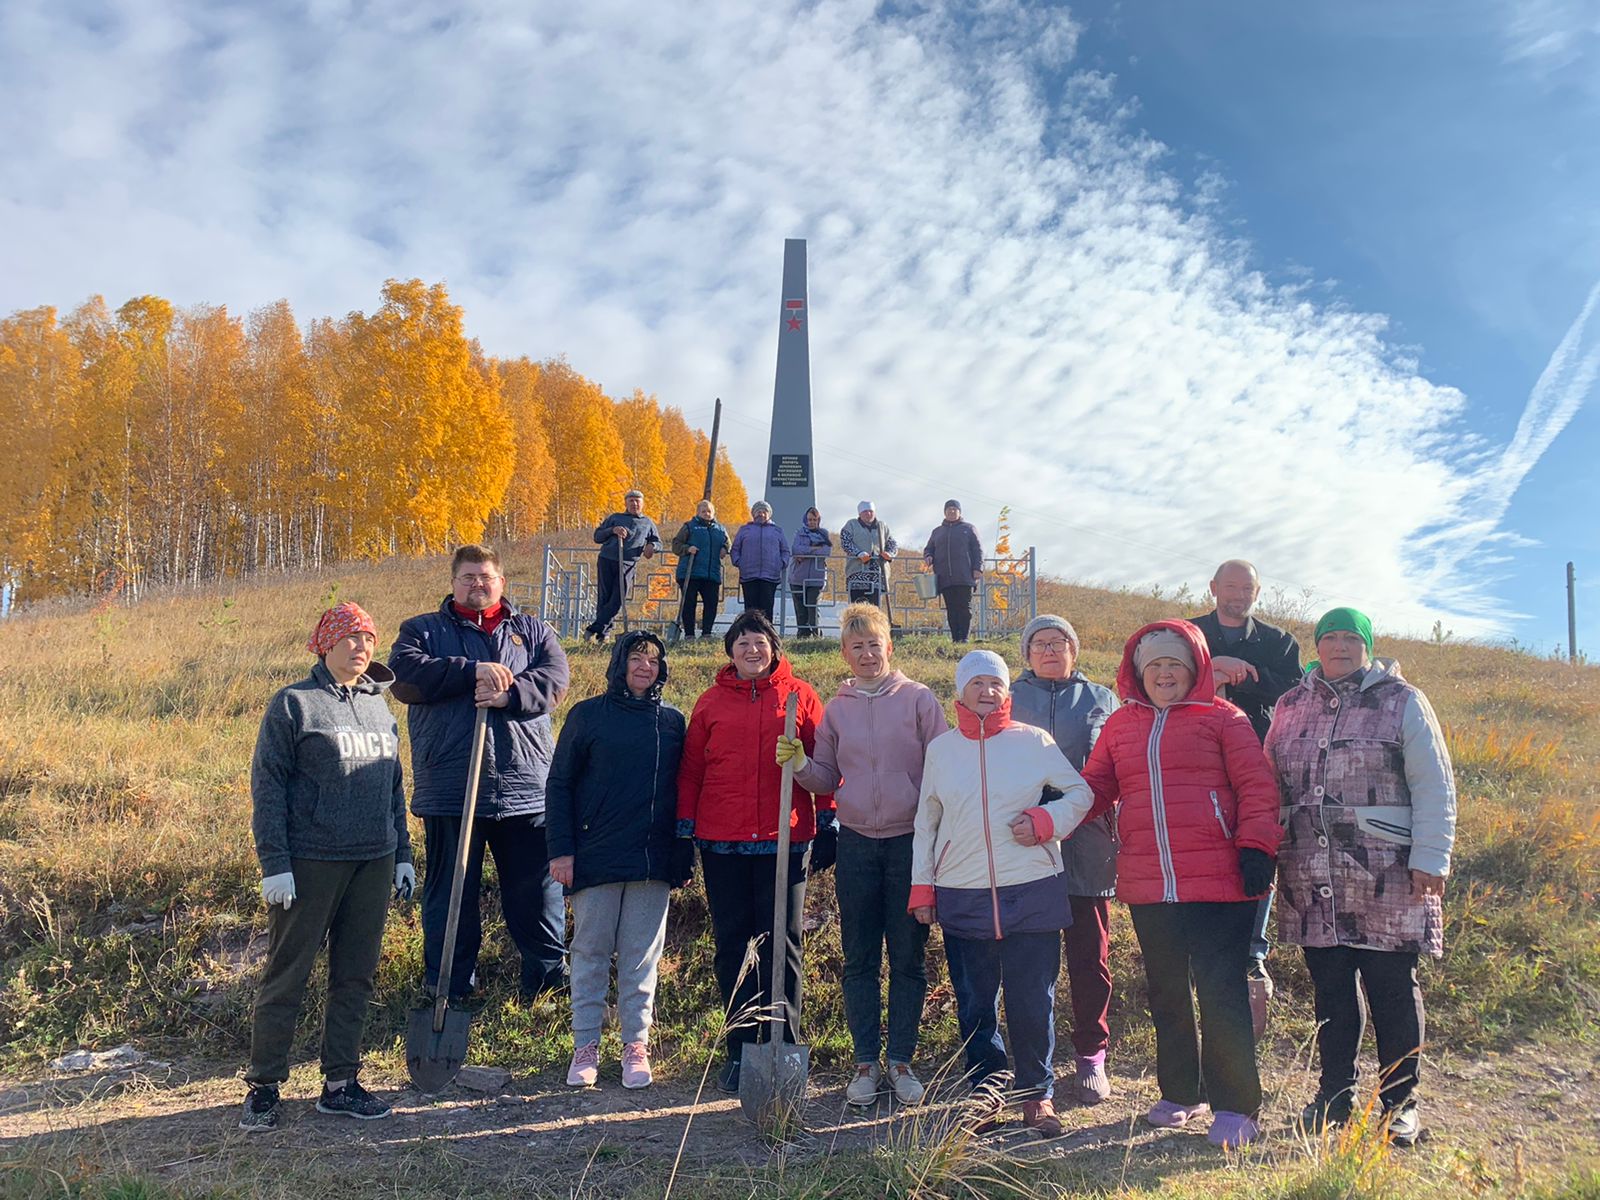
x,y
1012,299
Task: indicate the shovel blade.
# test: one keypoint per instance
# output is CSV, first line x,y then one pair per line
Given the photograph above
x,y
434,1057
772,1086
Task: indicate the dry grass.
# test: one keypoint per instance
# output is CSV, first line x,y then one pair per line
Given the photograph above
x,y
129,910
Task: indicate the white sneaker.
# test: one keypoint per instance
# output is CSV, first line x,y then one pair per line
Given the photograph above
x,y
908,1088
585,1068
864,1089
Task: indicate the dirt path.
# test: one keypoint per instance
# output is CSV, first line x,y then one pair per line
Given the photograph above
x,y
1496,1118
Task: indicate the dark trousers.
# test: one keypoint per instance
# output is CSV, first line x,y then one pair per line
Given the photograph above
x,y
758,594
709,593
1024,966
805,607
346,902
535,911
872,879
739,894
1208,943
866,593
958,609
1389,979
609,593
1088,948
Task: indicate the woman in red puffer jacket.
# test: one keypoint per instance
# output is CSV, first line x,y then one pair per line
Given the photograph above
x,y
1198,823
728,791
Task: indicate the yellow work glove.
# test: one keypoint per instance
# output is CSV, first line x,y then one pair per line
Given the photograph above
x,y
791,750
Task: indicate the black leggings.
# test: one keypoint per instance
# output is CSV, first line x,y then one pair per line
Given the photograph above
x,y
1389,979
709,594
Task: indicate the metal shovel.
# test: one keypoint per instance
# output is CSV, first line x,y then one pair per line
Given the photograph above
x,y
772,1074
436,1034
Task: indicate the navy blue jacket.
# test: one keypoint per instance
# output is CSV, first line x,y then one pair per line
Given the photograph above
x,y
710,539
612,800
434,660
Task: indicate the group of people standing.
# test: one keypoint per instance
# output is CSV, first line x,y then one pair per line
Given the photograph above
x,y
767,559
1011,831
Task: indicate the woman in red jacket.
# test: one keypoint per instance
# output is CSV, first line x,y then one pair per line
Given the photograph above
x,y
1198,824
728,781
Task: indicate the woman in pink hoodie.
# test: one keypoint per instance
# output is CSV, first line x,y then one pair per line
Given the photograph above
x,y
869,753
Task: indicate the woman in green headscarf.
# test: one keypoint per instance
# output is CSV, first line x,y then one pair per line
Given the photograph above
x,y
1370,805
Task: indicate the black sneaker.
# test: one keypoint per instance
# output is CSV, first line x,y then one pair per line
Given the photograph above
x,y
261,1109
1326,1112
728,1080
1404,1124
352,1100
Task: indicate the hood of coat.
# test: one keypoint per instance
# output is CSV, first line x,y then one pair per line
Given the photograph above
x,y
1131,688
975,727
781,673
617,671
374,680
849,691
1382,671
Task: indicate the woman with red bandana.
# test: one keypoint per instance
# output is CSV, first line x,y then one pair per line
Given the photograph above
x,y
997,798
329,818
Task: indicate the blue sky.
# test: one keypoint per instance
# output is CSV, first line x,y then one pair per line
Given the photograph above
x,y
1314,284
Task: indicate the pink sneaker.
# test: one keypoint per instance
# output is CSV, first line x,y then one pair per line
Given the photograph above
x,y
636,1066
1164,1114
585,1068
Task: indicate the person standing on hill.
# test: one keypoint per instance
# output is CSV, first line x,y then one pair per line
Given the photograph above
x,y
955,556
1197,818
868,546
1371,798
1252,664
728,803
1054,696
700,545
329,819
812,546
612,805
869,754
761,553
623,538
478,651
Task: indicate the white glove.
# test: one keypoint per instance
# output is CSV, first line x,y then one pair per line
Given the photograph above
x,y
278,889
405,881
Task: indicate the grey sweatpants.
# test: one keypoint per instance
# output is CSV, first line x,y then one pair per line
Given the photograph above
x,y
345,902
628,920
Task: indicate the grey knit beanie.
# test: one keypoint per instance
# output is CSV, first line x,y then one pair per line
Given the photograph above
x,y
1049,621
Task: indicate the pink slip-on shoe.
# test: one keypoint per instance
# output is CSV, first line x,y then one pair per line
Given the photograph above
x,y
1164,1114
636,1071
1231,1130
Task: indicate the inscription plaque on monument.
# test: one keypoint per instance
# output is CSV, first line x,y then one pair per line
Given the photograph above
x,y
790,470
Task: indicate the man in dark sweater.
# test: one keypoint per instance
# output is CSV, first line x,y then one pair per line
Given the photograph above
x,y
1252,664
623,539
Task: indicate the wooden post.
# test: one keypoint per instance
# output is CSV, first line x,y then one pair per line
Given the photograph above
x,y
1572,615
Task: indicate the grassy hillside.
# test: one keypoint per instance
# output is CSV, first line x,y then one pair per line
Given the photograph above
x,y
128,900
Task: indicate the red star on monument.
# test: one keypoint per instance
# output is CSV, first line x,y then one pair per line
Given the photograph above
x,y
794,322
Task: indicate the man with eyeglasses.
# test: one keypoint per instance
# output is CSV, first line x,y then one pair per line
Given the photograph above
x,y
623,539
1252,665
478,651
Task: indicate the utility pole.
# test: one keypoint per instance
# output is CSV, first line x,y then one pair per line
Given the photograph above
x,y
1572,615
711,458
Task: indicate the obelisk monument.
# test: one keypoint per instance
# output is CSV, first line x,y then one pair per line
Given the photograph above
x,y
790,485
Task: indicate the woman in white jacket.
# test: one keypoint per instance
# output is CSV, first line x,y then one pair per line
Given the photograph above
x,y
997,798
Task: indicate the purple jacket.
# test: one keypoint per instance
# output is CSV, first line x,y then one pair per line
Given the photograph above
x,y
869,754
760,551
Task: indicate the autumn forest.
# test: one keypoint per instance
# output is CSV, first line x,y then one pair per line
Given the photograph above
x,y
154,445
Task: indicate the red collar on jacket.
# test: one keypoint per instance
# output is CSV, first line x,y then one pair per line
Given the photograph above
x,y
488,620
972,725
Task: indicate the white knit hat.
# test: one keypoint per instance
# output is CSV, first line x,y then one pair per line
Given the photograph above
x,y
1162,643
981,662
864,507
